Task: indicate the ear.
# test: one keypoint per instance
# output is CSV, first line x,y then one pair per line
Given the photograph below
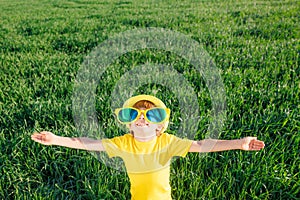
x,y
132,133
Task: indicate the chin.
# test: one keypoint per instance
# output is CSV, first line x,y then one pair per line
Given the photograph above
x,y
143,129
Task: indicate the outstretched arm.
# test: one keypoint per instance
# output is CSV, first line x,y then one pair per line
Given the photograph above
x,y
48,138
211,145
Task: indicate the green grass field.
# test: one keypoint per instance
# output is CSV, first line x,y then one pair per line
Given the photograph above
x,y
255,44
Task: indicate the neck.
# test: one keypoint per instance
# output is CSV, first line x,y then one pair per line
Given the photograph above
x,y
144,138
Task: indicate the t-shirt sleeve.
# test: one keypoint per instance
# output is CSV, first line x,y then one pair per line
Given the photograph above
x,y
112,146
178,146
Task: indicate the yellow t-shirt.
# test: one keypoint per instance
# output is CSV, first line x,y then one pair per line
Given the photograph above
x,y
148,163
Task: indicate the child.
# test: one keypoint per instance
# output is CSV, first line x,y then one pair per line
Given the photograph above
x,y
147,149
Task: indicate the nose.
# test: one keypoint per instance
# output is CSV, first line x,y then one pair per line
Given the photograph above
x,y
142,116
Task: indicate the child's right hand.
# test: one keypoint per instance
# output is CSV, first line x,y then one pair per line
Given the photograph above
x,y
43,137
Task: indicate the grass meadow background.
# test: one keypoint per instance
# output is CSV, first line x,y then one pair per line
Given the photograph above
x,y
255,44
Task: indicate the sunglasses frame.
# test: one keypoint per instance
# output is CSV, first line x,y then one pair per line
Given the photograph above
x,y
168,111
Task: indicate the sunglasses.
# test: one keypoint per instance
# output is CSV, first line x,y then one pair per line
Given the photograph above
x,y
152,115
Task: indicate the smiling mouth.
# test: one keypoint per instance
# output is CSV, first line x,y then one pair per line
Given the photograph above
x,y
142,125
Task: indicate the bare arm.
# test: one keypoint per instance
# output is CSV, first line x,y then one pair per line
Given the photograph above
x,y
48,138
211,145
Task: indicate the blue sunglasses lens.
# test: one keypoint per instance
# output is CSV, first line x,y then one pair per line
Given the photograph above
x,y
127,115
156,115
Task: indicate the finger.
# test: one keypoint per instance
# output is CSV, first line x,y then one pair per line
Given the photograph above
x,y
255,141
34,134
38,137
35,137
256,147
37,140
259,143
252,146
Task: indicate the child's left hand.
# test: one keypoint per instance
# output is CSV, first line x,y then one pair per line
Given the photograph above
x,y
252,144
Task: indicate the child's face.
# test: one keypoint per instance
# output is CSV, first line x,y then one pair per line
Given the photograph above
x,y
141,125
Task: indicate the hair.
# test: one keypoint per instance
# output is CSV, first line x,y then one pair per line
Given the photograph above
x,y
146,104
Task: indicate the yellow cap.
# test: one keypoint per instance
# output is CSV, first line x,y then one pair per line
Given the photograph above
x,y
133,100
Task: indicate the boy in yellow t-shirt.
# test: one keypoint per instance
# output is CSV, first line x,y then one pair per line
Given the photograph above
x,y
147,149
